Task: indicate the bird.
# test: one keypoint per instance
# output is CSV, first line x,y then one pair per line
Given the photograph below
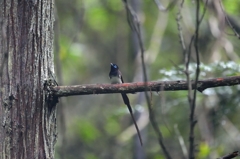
x,y
115,76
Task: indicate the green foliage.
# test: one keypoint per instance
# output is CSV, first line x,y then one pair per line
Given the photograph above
x,y
158,157
115,5
98,19
86,131
204,150
232,7
94,33
112,126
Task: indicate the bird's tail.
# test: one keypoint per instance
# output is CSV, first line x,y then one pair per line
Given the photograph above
x,y
126,102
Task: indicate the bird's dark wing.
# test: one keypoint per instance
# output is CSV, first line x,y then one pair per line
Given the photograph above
x,y
122,79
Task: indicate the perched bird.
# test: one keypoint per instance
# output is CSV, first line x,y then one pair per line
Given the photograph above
x,y
116,78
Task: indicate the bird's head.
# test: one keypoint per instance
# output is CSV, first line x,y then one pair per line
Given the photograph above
x,y
114,67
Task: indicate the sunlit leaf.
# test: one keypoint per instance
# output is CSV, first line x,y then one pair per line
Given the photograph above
x,y
204,150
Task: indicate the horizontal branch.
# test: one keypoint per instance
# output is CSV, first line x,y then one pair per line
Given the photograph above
x,y
60,91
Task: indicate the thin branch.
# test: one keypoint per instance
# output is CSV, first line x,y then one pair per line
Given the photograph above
x,y
230,25
135,26
179,17
187,56
193,121
204,11
231,155
157,130
61,91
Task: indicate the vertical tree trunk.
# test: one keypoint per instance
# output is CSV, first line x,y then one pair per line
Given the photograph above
x,y
27,126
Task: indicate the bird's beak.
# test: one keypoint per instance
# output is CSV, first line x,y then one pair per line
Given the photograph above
x,y
111,64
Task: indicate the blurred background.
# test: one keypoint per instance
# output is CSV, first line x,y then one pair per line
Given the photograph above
x,y
90,34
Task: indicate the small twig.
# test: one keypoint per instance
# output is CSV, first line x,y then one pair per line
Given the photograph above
x,y
230,25
158,132
229,156
135,26
204,11
179,17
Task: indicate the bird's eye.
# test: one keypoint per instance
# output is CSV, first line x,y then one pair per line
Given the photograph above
x,y
115,66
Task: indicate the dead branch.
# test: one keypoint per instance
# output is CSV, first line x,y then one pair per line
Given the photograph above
x,y
157,86
231,155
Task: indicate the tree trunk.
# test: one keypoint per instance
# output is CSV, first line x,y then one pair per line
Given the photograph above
x,y
27,125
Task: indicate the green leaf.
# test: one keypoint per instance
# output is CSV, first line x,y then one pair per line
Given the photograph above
x,y
204,150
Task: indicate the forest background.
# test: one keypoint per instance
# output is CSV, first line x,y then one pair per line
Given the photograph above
x,y
91,34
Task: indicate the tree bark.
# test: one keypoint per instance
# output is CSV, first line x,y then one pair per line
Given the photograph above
x,y
27,125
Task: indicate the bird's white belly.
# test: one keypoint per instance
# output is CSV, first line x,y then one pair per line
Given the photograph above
x,y
116,80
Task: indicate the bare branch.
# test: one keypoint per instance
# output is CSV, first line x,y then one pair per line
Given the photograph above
x,y
135,26
134,23
60,91
228,21
231,155
179,17
192,119
204,11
